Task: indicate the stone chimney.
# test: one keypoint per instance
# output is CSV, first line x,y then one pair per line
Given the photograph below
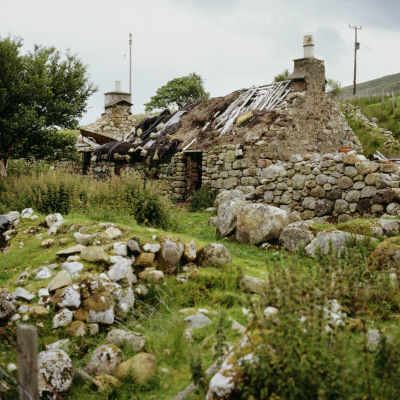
x,y
309,72
117,102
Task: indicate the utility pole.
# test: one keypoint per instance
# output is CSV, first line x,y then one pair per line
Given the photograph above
x,y
356,47
130,63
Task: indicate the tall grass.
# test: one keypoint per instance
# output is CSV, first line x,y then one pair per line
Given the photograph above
x,y
57,191
387,115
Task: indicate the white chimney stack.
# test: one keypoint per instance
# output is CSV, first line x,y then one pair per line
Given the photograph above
x,y
118,86
308,44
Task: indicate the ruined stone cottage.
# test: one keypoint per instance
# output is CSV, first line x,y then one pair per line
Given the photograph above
x,y
267,140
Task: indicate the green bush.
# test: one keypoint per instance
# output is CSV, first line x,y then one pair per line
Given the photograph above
x,y
202,199
57,191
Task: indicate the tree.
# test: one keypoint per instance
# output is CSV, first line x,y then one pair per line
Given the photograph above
x,y
334,88
283,76
178,92
40,92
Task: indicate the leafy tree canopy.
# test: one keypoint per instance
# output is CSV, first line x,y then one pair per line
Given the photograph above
x,y
334,88
178,92
283,76
40,92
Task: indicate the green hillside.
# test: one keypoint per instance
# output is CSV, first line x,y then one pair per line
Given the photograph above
x,y
389,83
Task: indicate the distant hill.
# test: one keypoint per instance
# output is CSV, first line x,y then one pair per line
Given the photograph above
x,y
389,83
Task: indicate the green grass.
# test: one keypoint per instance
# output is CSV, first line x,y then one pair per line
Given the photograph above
x,y
157,316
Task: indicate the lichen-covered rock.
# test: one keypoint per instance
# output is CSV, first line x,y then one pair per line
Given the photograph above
x,y
69,297
124,301
258,223
144,259
170,254
78,329
72,267
54,219
141,368
389,226
214,254
296,235
70,250
21,293
8,304
105,360
55,373
197,321
227,216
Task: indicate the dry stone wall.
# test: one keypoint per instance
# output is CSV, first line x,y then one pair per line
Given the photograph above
x,y
341,186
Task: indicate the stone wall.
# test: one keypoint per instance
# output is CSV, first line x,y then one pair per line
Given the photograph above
x,y
341,186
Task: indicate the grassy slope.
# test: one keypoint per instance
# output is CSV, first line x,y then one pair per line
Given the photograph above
x,y
156,315
389,83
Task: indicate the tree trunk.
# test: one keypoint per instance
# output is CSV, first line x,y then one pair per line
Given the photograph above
x,y
3,167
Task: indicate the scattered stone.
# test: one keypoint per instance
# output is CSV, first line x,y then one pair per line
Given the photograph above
x,y
70,250
197,321
82,238
141,368
155,276
111,233
106,383
39,311
21,293
151,247
94,254
63,344
72,267
8,304
47,243
63,278
144,260
253,285
105,360
190,251
62,318
214,254
77,329
170,254
55,369
121,272
134,341
133,247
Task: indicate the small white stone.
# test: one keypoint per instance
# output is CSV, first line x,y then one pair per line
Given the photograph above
x,y
11,367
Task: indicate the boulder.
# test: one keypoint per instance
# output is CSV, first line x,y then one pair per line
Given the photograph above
x,y
296,234
323,207
387,255
144,260
258,223
389,226
133,247
69,297
141,368
124,301
56,373
214,254
170,254
228,195
227,216
105,360
94,254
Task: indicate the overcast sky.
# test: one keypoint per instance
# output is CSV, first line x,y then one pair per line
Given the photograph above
x,y
232,44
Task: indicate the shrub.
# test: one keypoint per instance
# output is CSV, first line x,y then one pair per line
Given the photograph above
x,y
202,199
116,199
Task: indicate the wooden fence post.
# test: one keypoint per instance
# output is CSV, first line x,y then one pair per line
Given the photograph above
x,y
383,97
27,343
